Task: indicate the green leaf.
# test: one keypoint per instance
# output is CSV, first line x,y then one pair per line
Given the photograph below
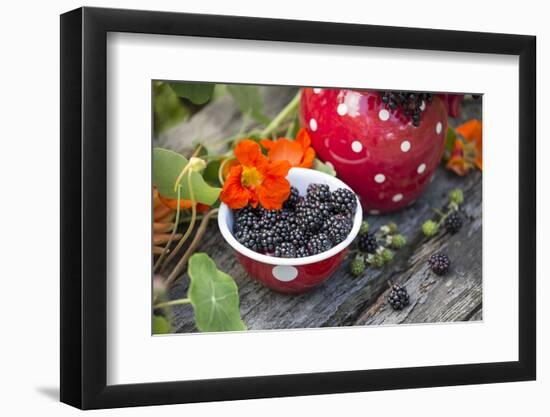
x,y
198,93
214,296
210,173
167,166
160,325
321,166
249,101
167,108
449,142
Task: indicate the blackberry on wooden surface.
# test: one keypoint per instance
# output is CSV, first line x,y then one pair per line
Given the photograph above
x,y
439,263
398,297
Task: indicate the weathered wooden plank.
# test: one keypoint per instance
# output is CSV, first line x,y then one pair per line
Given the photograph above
x,y
344,300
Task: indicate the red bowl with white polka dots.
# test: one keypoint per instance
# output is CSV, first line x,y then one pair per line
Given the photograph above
x,y
378,152
292,275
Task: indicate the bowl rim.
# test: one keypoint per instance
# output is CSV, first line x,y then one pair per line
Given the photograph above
x,y
316,176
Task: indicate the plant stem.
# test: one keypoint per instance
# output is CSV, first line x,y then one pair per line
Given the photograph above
x,y
194,243
191,224
167,246
170,303
289,109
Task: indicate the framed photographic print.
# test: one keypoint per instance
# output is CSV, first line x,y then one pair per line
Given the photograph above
x,y
299,207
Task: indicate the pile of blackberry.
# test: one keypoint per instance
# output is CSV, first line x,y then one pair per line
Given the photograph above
x,y
305,226
410,103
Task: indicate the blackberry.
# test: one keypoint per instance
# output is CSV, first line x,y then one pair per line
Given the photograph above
x,y
344,201
299,237
292,199
301,252
337,228
268,218
410,104
318,244
245,217
285,250
309,218
439,263
267,240
249,239
398,298
283,231
367,243
453,222
318,192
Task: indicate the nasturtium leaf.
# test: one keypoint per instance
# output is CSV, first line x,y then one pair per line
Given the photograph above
x,y
160,325
167,108
449,141
198,93
249,101
318,165
167,166
214,296
210,173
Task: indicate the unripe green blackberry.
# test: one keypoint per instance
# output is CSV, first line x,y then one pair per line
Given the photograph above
x,y
364,227
456,196
377,261
398,241
387,255
358,266
430,228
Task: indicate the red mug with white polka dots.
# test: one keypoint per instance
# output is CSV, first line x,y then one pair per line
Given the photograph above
x,y
292,275
376,150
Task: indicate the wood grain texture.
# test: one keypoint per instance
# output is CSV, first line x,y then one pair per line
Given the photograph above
x,y
344,300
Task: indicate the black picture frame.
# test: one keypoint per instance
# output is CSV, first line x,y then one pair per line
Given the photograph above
x,y
84,207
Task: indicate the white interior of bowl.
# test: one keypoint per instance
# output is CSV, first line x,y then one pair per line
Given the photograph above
x,y
299,178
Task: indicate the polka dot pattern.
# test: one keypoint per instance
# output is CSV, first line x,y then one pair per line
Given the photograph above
x,y
379,178
285,273
397,197
383,115
356,146
342,109
313,124
374,212
438,128
405,146
317,90
421,168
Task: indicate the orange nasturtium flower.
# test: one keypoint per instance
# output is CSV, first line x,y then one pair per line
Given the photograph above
x,y
467,153
298,152
184,204
256,179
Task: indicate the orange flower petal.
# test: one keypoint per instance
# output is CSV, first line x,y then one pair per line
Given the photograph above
x,y
278,169
273,192
309,157
286,150
472,131
173,203
302,137
458,165
233,193
267,143
249,153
